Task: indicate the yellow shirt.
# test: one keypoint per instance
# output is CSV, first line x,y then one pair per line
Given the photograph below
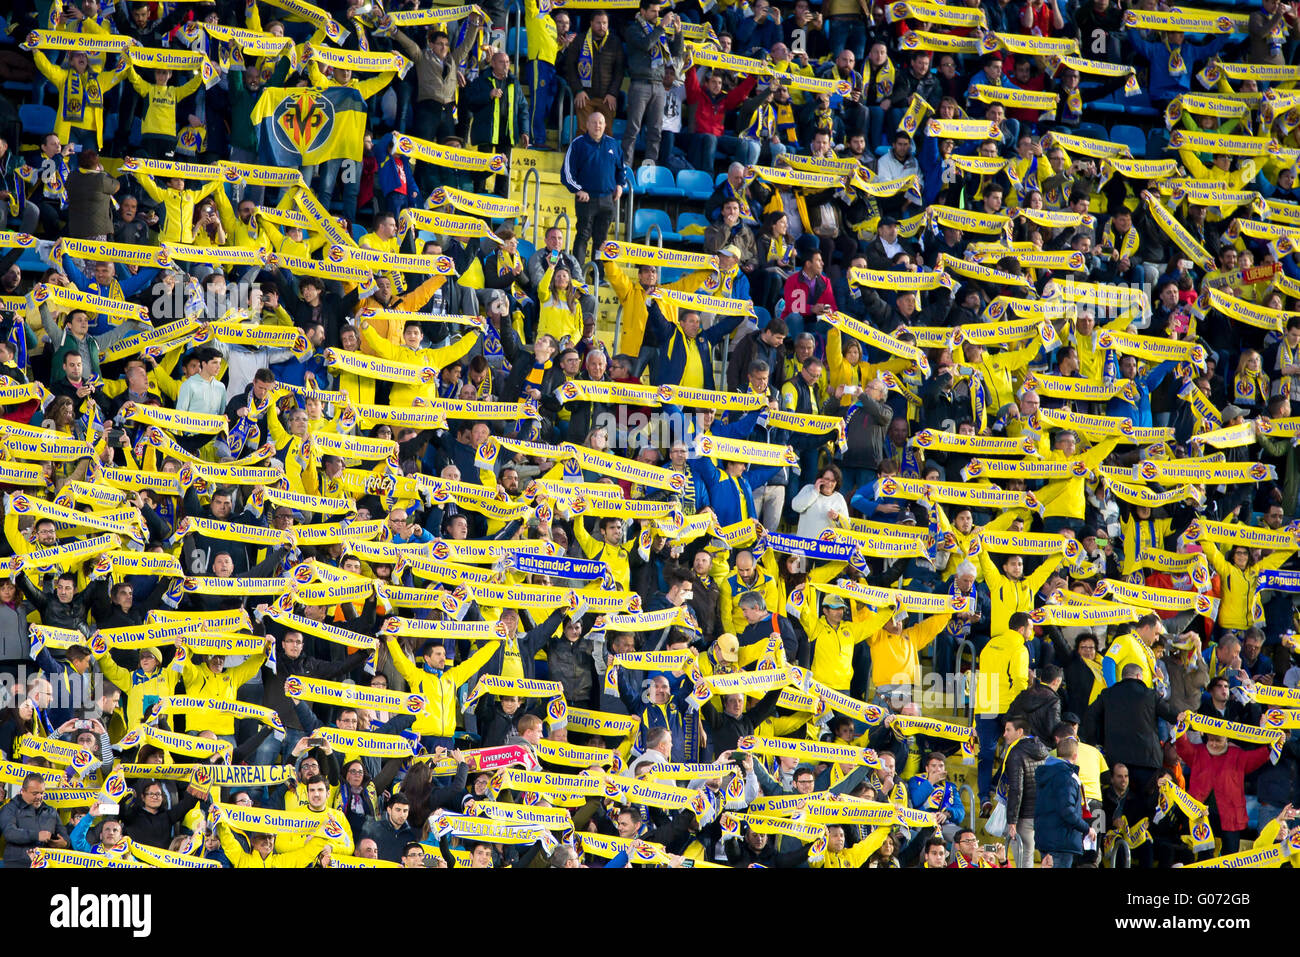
x,y
160,116
693,374
1003,673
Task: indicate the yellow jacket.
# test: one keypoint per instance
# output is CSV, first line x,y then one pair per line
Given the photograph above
x,y
297,858
729,591
1065,498
556,317
200,682
160,115
1140,534
842,372
404,393
543,40
996,371
1130,649
81,97
832,645
179,206
632,298
894,657
412,302
439,690
148,690
342,844
960,551
1003,673
856,855
1091,359
392,246
597,549
1236,587
1006,597
1211,175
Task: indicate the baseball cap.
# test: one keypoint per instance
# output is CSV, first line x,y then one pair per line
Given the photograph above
x,y
731,249
728,647
834,601
1232,411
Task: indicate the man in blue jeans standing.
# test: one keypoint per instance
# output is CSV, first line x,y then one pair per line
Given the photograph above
x,y
593,171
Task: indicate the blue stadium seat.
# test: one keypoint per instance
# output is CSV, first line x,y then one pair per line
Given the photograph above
x,y
617,129
761,316
566,131
526,250
686,220
517,42
358,231
1091,130
717,180
1130,136
643,219
695,183
1157,142
669,274
36,120
657,181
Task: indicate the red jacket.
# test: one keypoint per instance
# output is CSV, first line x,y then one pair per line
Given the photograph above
x,y
1225,775
711,115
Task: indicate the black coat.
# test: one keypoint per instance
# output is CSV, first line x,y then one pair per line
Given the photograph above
x,y
390,840
1041,707
725,731
1122,722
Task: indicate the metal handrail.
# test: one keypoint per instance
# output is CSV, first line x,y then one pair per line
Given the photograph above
x,y
537,197
974,806
566,95
968,686
655,230
618,214
562,218
518,17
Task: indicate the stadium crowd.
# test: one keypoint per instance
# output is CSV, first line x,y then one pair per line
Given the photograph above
x,y
926,498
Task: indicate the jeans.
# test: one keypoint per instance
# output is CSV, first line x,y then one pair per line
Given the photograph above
x,y
272,751
1063,859
705,146
875,127
849,33
431,741
542,96
1022,845
350,171
989,730
592,224
768,504
668,142
645,107
243,190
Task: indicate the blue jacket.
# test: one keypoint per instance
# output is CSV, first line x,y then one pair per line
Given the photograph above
x,y
592,167
1058,812
945,798
672,343
1141,412
130,286
726,494
394,171
1164,85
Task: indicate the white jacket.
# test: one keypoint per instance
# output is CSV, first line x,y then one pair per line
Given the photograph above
x,y
815,510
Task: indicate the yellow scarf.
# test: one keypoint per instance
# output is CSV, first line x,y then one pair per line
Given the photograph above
x,y
1176,65
1127,246
1250,386
885,79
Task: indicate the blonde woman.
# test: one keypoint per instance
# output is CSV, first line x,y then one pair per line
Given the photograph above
x,y
560,305
1250,384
